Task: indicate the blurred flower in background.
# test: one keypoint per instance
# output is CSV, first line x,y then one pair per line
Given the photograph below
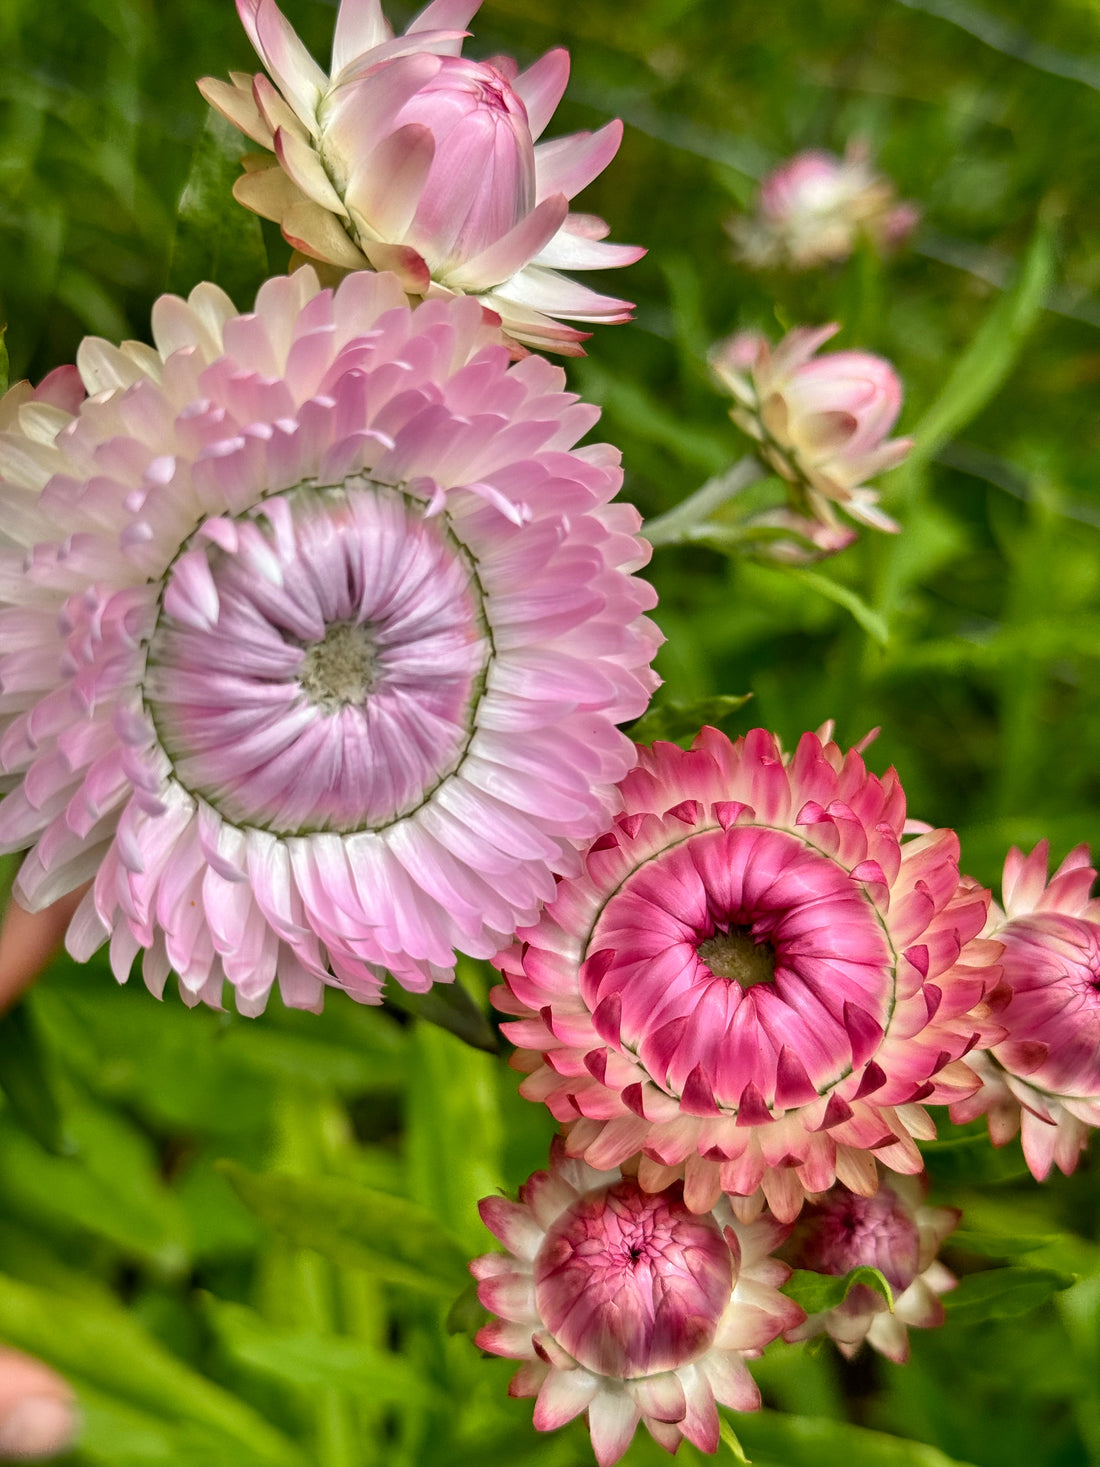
x,y
412,158
1043,1079
755,981
895,1232
820,422
815,209
281,593
626,1304
38,1412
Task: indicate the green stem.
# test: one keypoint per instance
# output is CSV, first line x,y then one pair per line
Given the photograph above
x,y
675,525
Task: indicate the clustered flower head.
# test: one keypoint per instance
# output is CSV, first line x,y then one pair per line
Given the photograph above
x,y
413,158
316,628
626,1304
894,1231
815,208
820,422
1043,1079
756,980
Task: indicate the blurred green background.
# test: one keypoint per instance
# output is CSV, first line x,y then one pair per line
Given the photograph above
x,y
218,1317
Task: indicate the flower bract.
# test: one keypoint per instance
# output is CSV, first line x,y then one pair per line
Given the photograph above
x,y
413,158
316,630
755,981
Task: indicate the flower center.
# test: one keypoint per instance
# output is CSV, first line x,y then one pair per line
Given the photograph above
x,y
318,662
739,957
631,1283
339,670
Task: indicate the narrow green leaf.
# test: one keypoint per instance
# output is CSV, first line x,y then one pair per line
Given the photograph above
x,y
395,1239
985,365
449,1006
216,239
302,1358
1002,1245
819,1291
731,1440
1004,1293
871,622
680,722
467,1314
775,1437
26,1080
104,1345
971,1161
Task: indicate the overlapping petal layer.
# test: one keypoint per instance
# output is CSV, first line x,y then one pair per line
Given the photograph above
x,y
316,631
413,158
755,981
1043,1079
625,1304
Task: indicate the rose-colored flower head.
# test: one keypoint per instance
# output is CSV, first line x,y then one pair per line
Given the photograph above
x,y
820,422
893,1231
314,641
815,208
1043,1079
755,981
628,1305
411,157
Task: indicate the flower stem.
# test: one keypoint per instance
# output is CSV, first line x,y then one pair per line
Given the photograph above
x,y
675,525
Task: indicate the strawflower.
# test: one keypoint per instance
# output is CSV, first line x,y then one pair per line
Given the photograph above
x,y
625,1304
897,1233
821,423
410,157
316,632
755,981
1043,1079
815,208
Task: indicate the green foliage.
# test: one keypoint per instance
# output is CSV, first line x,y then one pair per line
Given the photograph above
x,y
678,723
1004,1293
820,1291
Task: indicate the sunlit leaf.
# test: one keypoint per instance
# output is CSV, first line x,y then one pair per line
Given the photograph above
x,y
776,1439
870,620
216,239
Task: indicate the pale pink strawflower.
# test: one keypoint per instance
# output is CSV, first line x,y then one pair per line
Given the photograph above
x,y
315,641
755,981
894,1231
625,1304
820,422
1043,1079
411,157
815,208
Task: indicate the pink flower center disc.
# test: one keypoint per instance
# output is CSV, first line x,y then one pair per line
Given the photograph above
x,y
631,1283
726,949
317,665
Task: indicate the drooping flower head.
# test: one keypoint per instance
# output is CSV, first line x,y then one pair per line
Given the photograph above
x,y
821,423
625,1304
893,1231
315,635
1043,1079
755,981
410,157
815,208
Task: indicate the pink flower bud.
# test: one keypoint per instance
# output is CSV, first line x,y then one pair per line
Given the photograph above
x,y
892,1231
814,209
415,159
821,422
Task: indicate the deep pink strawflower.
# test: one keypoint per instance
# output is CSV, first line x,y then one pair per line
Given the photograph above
x,y
316,632
756,981
413,158
893,1231
625,1304
821,422
1043,1079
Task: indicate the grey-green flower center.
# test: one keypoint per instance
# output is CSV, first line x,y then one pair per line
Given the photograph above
x,y
738,957
339,670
